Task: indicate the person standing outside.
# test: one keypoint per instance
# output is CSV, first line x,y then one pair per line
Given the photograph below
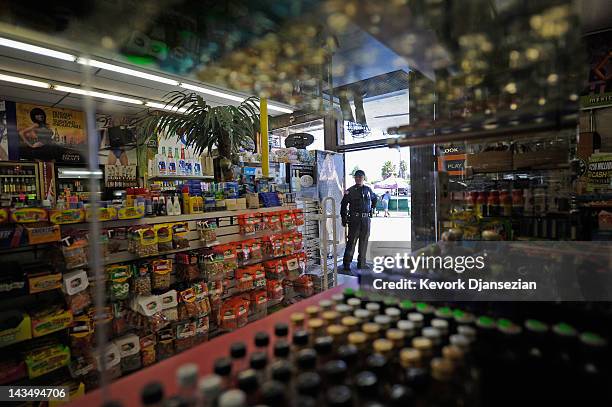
x,y
385,202
356,210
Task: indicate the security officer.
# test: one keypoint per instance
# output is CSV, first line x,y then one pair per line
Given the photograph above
x,y
356,210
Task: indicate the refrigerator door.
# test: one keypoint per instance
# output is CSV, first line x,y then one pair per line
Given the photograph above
x,y
330,183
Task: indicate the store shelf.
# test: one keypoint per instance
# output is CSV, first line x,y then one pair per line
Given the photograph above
x,y
17,176
180,177
151,220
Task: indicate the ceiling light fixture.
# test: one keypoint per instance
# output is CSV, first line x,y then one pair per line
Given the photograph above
x,y
126,71
156,105
24,81
211,92
22,46
96,94
279,108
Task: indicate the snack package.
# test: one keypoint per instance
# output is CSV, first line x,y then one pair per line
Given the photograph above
x,y
201,293
112,360
146,242
212,268
287,220
304,286
75,255
119,276
180,231
120,322
202,328
258,302
208,231
244,279
275,290
164,237
274,245
298,216
81,335
243,251
50,319
234,313
148,355
227,253
129,350
247,223
189,301
78,302
274,269
165,344
272,221
287,243
160,276
187,266
142,280
298,242
291,264
46,359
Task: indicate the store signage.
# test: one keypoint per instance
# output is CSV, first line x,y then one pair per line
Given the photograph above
x,y
596,101
451,160
50,133
599,172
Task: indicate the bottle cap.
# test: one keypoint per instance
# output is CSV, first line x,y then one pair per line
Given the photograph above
x,y
366,383
210,386
442,369
400,395
350,322
393,313
232,398
187,375
308,383
533,325
326,305
485,322
377,363
406,326
152,393
339,396
281,348
440,324
415,318
373,307
337,298
348,353
406,305
410,357
382,320
335,371
223,366
307,359
281,329
330,316
273,393
281,371
300,338
383,346
444,312
357,338
592,339
297,318
258,360
431,333
336,330
395,335
362,314
324,345
354,302
564,329
343,309
238,350
315,323
422,344
460,341
312,311
247,380
424,308
508,327
349,291
370,328
453,353
463,317
467,331
262,339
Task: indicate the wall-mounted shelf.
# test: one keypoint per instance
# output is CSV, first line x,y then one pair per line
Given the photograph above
x,y
179,177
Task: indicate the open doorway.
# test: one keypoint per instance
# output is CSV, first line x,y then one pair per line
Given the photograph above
x,y
387,172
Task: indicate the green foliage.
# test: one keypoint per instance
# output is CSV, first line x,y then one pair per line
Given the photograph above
x,y
387,169
203,126
403,169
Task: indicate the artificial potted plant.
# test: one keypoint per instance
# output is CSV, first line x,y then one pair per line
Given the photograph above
x,y
204,127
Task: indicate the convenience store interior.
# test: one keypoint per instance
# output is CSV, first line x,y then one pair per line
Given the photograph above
x,y
164,251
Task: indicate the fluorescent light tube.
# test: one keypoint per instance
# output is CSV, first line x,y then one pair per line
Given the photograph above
x,y
95,94
24,81
279,108
36,49
211,92
81,172
127,71
163,106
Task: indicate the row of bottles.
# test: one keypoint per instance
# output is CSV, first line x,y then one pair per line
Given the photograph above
x,y
353,352
169,164
18,185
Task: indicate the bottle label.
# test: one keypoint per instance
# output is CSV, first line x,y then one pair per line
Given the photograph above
x,y
162,167
182,168
172,168
197,169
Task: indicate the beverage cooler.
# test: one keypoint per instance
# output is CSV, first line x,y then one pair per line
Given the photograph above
x,y
19,183
75,181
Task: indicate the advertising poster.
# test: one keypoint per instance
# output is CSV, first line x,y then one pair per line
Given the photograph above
x,y
50,133
599,172
4,151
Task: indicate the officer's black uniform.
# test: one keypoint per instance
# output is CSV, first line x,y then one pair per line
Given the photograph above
x,y
360,201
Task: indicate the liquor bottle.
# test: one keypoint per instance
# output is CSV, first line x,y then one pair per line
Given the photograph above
x,y
308,384
306,360
162,165
182,168
282,349
187,380
176,206
273,394
223,368
300,340
247,383
209,388
335,372
324,346
258,362
339,396
367,386
233,398
281,330
152,395
171,163
238,353
262,341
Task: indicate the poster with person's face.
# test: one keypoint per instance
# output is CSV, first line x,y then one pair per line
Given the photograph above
x,y
50,133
